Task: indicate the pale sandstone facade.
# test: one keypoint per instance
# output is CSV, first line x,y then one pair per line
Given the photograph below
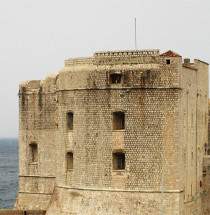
x,y
68,168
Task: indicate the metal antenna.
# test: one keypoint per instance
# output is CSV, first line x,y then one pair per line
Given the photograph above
x,y
135,36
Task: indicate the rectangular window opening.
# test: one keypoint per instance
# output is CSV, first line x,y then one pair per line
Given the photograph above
x,y
70,118
118,161
33,152
191,190
118,120
115,78
168,61
69,160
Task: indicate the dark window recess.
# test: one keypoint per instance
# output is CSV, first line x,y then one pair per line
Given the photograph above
x,y
70,121
204,172
33,152
168,61
118,120
118,161
116,78
69,160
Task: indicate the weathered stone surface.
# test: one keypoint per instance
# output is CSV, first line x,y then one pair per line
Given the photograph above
x,y
22,212
164,129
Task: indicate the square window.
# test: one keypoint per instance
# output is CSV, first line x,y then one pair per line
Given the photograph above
x,y
115,78
168,61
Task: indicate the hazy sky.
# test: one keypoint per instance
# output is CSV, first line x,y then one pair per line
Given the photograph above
x,y
36,36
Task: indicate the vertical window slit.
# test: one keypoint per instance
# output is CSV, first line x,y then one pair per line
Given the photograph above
x,y
69,161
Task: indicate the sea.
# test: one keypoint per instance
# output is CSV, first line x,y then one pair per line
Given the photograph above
x,y
8,172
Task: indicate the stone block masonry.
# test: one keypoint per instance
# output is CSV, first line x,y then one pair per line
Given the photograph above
x,y
96,137
22,212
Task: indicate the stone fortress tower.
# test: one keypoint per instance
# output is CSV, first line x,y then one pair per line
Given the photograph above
x,y
97,137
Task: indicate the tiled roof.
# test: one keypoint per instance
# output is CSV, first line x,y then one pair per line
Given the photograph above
x,y
170,54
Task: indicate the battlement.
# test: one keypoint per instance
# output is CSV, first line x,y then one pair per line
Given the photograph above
x,y
127,53
38,86
152,70
79,61
114,57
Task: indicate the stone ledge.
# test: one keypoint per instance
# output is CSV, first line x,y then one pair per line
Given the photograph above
x,y
119,190
22,212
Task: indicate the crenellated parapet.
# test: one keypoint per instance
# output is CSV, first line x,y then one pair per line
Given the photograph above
x,y
45,86
116,57
126,57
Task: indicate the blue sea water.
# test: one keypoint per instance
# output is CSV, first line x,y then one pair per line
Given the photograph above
x,y
8,172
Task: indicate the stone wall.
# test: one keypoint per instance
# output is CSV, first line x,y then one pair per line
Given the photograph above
x,y
22,212
92,137
78,201
165,108
37,126
206,174
206,185
194,111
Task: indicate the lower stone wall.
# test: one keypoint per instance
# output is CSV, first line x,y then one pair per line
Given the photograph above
x,y
22,212
193,207
206,186
32,201
36,184
87,202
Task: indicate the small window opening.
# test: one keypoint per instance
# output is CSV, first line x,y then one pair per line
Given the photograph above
x,y
118,161
70,121
191,190
33,152
168,61
205,120
118,120
192,119
115,78
208,149
69,160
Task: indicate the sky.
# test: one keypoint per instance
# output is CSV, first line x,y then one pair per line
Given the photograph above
x,y
36,36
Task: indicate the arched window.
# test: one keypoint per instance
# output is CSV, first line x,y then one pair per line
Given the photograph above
x,y
118,120
70,118
69,158
33,152
118,161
